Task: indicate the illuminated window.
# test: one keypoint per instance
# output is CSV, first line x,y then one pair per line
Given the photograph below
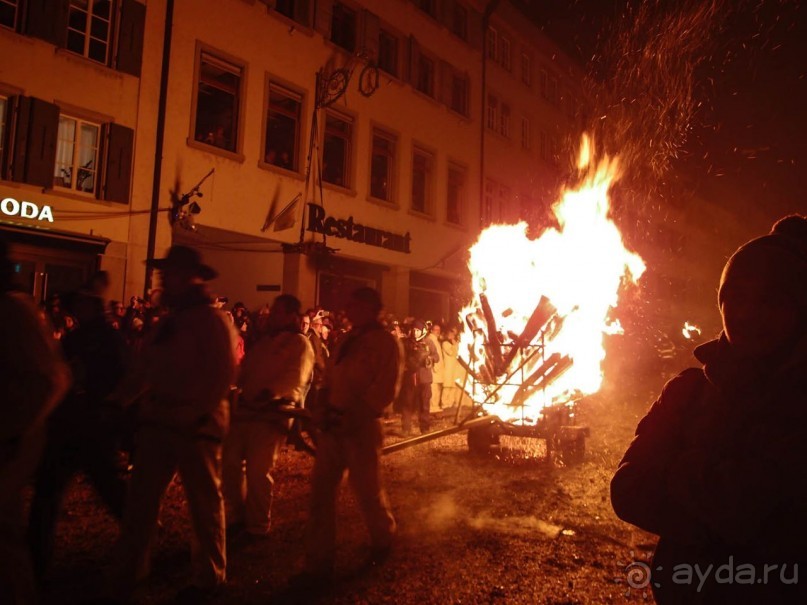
x,y
336,150
382,165
343,26
217,102
283,128
8,13
76,154
455,197
422,181
88,28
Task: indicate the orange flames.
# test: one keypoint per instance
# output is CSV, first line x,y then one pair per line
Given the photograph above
x,y
578,268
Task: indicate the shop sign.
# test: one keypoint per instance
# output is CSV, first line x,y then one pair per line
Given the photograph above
x,y
11,207
320,222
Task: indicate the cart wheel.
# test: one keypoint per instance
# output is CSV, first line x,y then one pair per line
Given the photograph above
x,y
573,449
482,438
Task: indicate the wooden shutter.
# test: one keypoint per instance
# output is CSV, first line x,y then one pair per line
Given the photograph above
x,y
35,131
118,142
371,31
47,20
19,114
446,13
323,18
130,37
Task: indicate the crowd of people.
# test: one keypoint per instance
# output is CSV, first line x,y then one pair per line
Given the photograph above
x,y
182,382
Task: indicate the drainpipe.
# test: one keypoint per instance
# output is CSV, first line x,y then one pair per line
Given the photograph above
x,y
158,148
489,9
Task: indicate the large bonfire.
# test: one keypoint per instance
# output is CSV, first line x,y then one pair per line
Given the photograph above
x,y
541,306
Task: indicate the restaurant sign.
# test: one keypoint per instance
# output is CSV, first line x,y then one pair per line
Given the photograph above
x,y
320,222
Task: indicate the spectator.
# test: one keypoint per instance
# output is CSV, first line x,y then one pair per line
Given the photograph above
x,y
715,468
421,354
437,369
33,379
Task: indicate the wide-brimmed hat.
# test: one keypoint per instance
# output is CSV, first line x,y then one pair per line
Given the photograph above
x,y
184,259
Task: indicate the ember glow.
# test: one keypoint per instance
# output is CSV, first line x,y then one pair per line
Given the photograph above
x,y
565,282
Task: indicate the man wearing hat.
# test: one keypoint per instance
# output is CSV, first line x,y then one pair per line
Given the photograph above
x,y
716,469
421,355
185,373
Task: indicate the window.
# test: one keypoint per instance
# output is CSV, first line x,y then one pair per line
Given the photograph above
x,y
8,13
217,102
492,118
422,176
427,6
425,75
504,52
544,84
89,27
544,146
76,154
459,21
526,69
492,43
382,165
526,133
455,198
336,149
297,10
388,52
283,128
459,93
343,26
504,121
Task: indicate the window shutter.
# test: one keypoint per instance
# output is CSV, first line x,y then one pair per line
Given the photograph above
x,y
324,17
130,37
414,56
47,20
19,114
476,35
372,29
35,131
117,163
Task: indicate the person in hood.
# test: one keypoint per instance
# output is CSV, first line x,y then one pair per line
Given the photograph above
x,y
716,469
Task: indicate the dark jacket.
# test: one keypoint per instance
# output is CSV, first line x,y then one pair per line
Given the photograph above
x,y
717,470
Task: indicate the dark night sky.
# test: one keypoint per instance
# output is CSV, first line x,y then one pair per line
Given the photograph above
x,y
747,149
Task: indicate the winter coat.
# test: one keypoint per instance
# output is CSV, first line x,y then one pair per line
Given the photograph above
x,y
717,470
